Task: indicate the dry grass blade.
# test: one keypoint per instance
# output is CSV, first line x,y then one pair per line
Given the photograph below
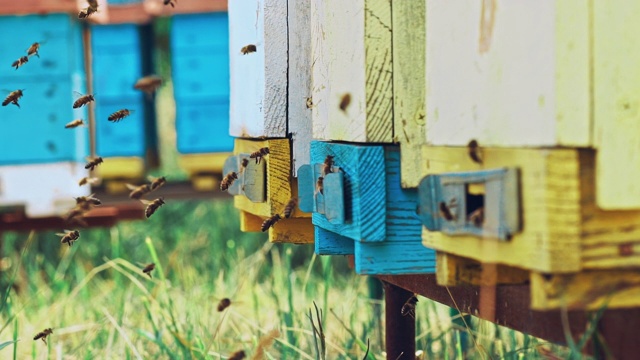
x,y
265,342
122,333
481,349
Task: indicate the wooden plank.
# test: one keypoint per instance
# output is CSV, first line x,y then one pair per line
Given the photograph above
x,y
409,47
292,231
587,290
393,258
351,52
250,222
11,7
299,72
508,73
259,79
330,243
550,190
616,52
158,8
455,270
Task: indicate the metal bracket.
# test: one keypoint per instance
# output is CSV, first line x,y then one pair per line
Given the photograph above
x,y
330,201
252,180
482,203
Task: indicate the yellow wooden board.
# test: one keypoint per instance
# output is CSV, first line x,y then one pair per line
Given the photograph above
x,y
454,270
121,168
550,202
202,163
409,86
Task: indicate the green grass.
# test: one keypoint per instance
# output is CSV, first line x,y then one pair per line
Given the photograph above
x,y
102,306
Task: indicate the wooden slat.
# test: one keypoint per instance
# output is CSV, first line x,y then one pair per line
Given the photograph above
x,y
351,52
11,7
258,79
455,270
508,73
616,53
157,7
550,188
409,118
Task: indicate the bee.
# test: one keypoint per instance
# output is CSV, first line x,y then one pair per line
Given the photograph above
x,y
148,84
88,201
119,115
309,103
270,222
152,206
93,163
88,180
244,164
320,185
228,180
445,210
477,217
43,335
170,2
69,236
238,355
345,100
259,154
75,123
157,183
328,165
86,12
33,49
138,192
223,304
290,207
21,61
474,151
409,307
13,98
82,100
148,269
248,49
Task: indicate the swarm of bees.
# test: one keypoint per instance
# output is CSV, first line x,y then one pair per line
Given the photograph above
x,y
248,49
43,335
409,307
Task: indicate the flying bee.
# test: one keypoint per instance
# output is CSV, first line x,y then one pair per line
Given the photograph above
x,y
69,236
477,217
148,269
152,206
409,307
270,222
33,49
119,115
82,100
88,201
157,183
13,98
228,180
137,192
21,61
320,185
223,304
170,2
75,123
93,163
238,355
88,180
259,154
43,335
148,84
86,12
445,210
290,207
475,151
248,49
328,165
345,100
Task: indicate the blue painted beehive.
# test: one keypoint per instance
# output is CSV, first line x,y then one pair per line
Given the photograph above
x,y
200,71
362,210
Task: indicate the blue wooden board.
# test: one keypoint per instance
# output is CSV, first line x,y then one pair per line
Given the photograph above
x,y
364,189
59,53
394,258
117,63
197,31
329,243
123,2
124,138
203,127
201,73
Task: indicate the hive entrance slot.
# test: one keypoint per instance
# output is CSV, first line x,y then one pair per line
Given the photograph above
x,y
474,200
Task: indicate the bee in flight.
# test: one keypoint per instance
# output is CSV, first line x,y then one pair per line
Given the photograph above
x,y
93,163
82,100
88,180
152,206
259,154
33,49
21,61
86,12
88,201
148,84
290,207
119,115
157,183
328,165
474,151
148,269
409,307
75,123
69,236
43,335
137,192
13,98
248,49
170,2
270,222
228,180
238,355
345,100
223,304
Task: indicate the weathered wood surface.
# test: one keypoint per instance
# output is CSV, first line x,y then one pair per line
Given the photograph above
x,y
409,119
452,270
299,72
259,79
351,55
330,243
550,190
11,7
158,8
510,73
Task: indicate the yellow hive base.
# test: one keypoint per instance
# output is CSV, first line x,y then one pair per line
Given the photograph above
x,y
454,270
116,172
203,163
291,231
